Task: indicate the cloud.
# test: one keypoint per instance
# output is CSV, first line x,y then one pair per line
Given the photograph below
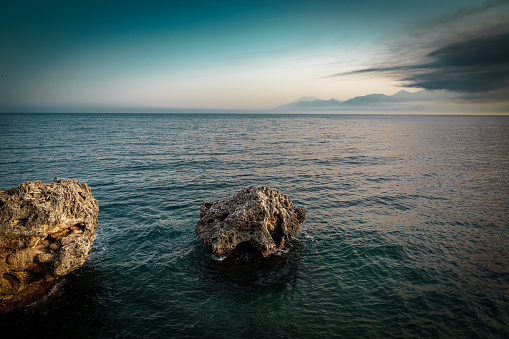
x,y
473,66
472,62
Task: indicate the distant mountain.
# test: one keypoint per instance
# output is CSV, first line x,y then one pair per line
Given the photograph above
x,y
305,98
368,100
292,105
319,103
403,100
401,96
407,96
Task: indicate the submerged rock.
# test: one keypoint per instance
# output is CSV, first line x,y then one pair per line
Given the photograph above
x,y
46,231
257,219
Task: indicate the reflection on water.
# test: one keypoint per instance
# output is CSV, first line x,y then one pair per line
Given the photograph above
x,y
277,270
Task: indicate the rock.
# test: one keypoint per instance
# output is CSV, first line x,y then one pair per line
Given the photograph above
x,y
43,258
46,231
257,218
54,246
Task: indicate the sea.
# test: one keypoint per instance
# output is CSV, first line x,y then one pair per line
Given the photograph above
x,y
406,232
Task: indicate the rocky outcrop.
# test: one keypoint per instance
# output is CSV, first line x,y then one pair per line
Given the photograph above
x,y
46,231
257,218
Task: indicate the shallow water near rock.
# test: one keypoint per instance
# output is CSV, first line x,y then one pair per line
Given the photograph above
x,y
406,231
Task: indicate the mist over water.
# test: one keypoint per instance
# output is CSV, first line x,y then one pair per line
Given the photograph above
x,y
406,231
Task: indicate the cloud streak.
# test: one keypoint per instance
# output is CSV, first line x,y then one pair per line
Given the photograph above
x,y
283,18
473,66
475,63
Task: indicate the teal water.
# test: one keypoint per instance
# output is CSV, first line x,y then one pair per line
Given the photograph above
x,y
407,229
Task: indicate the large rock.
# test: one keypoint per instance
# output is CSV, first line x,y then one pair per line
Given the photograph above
x,y
46,231
259,218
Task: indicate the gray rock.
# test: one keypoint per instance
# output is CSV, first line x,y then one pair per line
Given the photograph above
x,y
34,219
259,218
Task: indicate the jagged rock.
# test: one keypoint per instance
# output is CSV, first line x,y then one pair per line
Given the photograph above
x,y
259,218
46,231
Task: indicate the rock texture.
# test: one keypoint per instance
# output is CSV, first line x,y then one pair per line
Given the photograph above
x,y
259,218
46,231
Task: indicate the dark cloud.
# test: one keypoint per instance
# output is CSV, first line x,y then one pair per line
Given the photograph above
x,y
473,66
464,52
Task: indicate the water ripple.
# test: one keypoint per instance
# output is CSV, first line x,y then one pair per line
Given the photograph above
x,y
405,236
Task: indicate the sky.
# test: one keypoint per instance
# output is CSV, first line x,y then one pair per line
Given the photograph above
x,y
114,56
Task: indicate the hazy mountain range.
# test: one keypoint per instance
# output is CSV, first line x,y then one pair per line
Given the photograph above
x,y
401,101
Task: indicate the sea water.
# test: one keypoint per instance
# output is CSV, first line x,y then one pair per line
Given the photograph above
x,y
406,231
